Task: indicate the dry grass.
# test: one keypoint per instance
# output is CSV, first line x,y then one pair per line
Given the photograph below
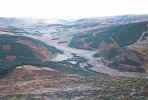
x,y
10,58
6,47
40,52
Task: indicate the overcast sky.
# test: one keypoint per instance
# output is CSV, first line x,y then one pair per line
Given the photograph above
x,y
71,8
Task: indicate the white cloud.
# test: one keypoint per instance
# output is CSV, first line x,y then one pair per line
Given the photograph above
x,y
71,8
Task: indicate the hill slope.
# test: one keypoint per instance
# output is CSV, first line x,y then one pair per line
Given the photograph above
x,y
42,61
122,34
19,50
32,83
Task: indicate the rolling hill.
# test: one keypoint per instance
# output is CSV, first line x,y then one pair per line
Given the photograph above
x,y
19,50
123,35
86,59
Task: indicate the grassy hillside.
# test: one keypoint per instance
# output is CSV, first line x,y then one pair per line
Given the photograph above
x,y
123,35
14,53
24,84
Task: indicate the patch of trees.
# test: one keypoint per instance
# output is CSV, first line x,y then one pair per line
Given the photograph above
x,y
24,55
123,34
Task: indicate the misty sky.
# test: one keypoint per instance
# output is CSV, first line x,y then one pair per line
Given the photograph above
x,y
71,8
